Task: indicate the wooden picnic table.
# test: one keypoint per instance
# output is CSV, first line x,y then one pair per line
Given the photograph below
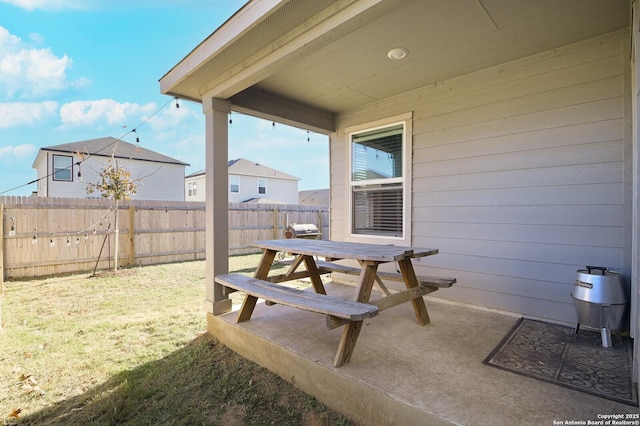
x,y
369,257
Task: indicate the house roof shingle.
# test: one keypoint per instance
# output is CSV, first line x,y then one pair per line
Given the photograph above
x,y
107,146
242,166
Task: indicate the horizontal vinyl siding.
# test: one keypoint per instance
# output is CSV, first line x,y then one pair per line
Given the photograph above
x,y
518,176
520,183
156,181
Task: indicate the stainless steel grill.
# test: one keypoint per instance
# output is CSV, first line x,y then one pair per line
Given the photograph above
x,y
600,298
302,230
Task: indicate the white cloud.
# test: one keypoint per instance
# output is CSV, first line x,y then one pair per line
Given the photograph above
x,y
170,117
47,4
109,111
14,114
29,72
21,151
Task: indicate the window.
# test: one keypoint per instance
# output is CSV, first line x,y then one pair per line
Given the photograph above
x,y
262,186
378,181
234,184
193,189
62,167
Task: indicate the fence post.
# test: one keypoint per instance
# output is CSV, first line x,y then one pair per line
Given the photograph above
x,y
132,235
275,224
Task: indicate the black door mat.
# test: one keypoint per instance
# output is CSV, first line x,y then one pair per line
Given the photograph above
x,y
555,354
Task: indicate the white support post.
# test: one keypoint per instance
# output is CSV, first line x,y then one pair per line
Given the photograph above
x,y
217,201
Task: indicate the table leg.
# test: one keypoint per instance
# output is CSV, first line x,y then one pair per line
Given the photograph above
x,y
246,310
266,261
314,275
365,281
352,329
410,280
347,343
249,303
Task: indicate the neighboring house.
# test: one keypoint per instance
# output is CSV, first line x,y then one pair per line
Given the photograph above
x,y
194,186
65,170
314,197
248,182
503,133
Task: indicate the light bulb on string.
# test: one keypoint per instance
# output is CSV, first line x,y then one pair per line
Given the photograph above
x,y
308,136
230,119
12,230
177,104
51,242
68,242
77,240
34,241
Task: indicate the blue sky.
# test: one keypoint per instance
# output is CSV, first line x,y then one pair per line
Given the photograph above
x,y
72,70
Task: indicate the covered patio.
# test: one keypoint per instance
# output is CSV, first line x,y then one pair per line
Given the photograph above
x,y
509,136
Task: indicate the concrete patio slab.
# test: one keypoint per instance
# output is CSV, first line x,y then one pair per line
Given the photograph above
x,y
404,374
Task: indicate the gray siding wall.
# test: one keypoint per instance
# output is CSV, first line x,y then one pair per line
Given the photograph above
x,y
518,175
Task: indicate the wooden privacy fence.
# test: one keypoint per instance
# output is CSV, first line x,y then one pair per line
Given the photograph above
x,y
49,236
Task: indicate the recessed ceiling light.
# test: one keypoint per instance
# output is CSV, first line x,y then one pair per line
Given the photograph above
x,y
397,53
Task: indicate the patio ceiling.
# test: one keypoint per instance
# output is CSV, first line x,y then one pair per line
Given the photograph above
x,y
298,59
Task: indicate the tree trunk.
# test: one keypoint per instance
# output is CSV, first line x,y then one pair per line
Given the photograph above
x,y
116,239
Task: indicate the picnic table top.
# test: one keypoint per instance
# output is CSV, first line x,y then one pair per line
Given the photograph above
x,y
346,250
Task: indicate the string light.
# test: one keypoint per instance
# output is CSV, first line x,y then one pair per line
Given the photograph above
x,y
79,172
230,119
177,104
308,136
68,235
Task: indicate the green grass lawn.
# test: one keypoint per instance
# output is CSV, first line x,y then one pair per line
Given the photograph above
x,y
132,348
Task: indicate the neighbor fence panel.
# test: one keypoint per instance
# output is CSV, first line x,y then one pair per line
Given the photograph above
x,y
50,236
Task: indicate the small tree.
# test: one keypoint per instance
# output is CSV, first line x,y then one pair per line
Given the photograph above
x,y
115,183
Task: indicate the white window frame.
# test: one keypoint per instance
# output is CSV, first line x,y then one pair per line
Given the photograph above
x,y
234,181
260,180
407,162
193,188
57,170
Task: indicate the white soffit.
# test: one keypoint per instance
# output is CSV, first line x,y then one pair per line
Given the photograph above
x,y
332,55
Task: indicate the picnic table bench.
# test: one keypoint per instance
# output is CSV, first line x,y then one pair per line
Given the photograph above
x,y
306,300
